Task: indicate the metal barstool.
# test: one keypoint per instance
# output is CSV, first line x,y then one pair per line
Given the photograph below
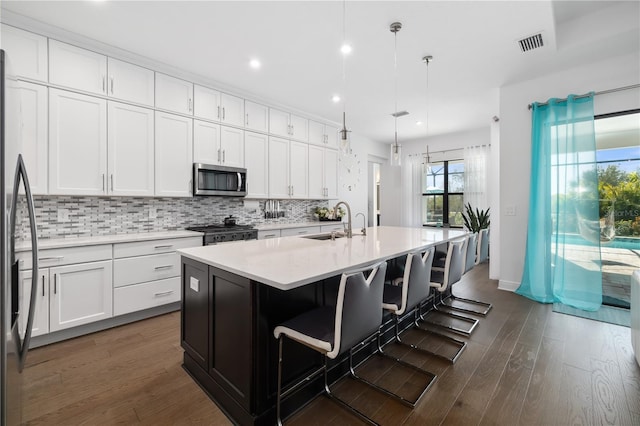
x,y
407,298
461,304
441,281
333,330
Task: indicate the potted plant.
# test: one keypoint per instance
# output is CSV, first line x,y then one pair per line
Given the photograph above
x,y
329,214
475,221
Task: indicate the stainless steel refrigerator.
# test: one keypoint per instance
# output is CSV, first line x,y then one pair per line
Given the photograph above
x,y
17,301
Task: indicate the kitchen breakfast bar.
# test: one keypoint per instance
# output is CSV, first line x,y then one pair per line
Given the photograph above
x,y
235,294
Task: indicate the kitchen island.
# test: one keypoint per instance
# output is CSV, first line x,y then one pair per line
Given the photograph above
x,y
234,294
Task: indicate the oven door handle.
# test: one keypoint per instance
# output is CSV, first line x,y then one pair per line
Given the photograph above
x,y
239,181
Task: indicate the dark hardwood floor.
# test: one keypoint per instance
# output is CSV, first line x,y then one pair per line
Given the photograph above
x,y
524,365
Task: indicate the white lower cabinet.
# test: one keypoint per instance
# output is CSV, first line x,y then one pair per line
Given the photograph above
x,y
80,294
146,295
265,235
288,232
41,313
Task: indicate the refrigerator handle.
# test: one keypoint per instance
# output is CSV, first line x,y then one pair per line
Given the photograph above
x,y
21,173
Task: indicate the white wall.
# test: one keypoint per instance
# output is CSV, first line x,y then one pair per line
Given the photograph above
x,y
515,141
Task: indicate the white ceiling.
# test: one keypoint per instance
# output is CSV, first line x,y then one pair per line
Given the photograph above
x,y
473,44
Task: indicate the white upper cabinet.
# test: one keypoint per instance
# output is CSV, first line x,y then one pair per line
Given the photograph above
x,y
299,169
232,110
287,125
77,144
256,116
26,52
232,146
317,190
206,142
130,148
279,123
77,68
323,134
299,128
331,173
256,161
173,155
206,103
34,134
174,94
278,168
130,82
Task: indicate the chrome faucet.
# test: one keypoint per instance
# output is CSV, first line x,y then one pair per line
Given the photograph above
x,y
364,223
335,209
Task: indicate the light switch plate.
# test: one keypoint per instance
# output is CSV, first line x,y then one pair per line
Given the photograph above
x,y
510,210
194,284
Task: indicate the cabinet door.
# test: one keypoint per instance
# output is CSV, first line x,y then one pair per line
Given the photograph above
x,y
77,68
232,110
206,103
77,144
194,327
232,144
316,172
130,82
206,142
299,169
81,294
130,150
174,94
26,53
279,123
332,137
331,173
174,156
279,168
256,116
41,314
316,133
256,161
33,134
299,128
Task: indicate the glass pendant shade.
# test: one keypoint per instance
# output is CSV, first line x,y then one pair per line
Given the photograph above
x,y
395,157
344,137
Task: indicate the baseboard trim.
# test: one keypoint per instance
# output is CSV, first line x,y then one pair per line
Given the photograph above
x,y
508,285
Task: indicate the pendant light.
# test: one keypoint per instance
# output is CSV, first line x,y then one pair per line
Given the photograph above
x,y
344,139
395,157
427,159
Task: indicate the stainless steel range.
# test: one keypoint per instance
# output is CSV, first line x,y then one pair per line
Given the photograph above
x,y
219,233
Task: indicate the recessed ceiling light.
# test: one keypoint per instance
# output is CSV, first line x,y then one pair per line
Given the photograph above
x,y
419,123
335,98
346,49
255,64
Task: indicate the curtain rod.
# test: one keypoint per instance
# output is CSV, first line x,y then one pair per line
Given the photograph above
x,y
602,92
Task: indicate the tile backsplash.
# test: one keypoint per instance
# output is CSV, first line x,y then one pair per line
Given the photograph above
x,y
69,216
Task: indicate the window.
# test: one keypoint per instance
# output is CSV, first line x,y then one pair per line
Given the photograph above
x,y
443,194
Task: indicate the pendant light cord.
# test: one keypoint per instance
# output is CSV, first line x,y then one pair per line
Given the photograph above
x,y
395,76
344,63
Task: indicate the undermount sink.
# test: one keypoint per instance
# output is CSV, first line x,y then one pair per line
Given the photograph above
x,y
322,236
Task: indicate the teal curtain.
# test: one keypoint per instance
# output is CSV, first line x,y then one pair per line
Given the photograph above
x,y
562,264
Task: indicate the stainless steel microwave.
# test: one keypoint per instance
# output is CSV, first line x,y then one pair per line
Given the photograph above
x,y
211,179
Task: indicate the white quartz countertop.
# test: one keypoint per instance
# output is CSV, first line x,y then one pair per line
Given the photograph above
x,y
106,239
290,262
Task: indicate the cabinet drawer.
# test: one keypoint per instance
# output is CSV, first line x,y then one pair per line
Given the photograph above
x,y
330,228
144,296
66,256
142,248
274,233
299,231
134,270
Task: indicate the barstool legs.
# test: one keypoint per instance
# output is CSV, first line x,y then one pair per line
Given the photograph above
x,y
278,395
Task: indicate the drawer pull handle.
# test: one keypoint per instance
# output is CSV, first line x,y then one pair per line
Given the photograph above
x,y
163,293
157,268
164,246
50,258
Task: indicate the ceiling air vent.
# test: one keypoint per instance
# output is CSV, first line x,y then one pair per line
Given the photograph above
x,y
399,114
531,42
